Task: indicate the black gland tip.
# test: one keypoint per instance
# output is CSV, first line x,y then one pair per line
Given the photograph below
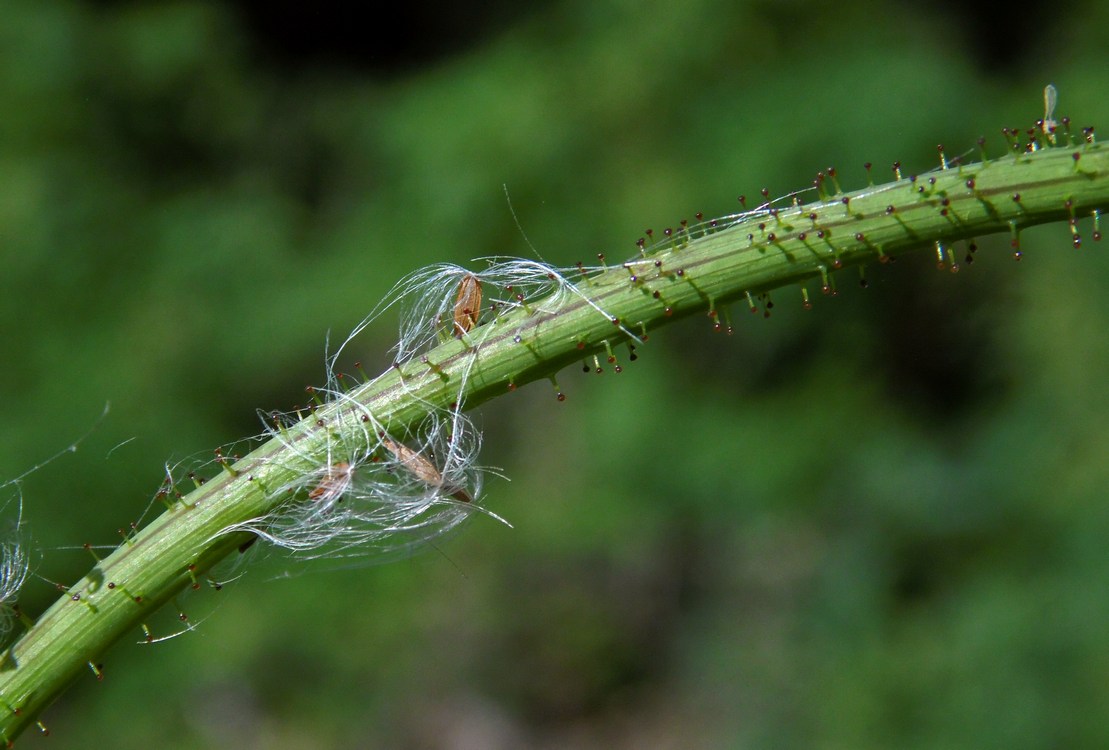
x,y
561,396
970,184
765,193
699,216
743,201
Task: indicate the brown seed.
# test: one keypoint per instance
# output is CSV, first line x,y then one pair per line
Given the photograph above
x,y
467,305
420,467
335,483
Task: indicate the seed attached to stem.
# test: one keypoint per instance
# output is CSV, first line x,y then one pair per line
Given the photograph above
x,y
420,467
334,484
467,305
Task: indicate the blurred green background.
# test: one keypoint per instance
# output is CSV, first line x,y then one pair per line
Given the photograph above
x,y
881,523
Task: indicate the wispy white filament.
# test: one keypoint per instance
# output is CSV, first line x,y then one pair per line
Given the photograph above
x,y
14,566
367,499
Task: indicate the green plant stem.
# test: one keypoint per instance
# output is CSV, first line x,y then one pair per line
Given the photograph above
x,y
699,271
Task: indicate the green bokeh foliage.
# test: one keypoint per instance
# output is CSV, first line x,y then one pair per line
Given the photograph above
x,y
877,524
